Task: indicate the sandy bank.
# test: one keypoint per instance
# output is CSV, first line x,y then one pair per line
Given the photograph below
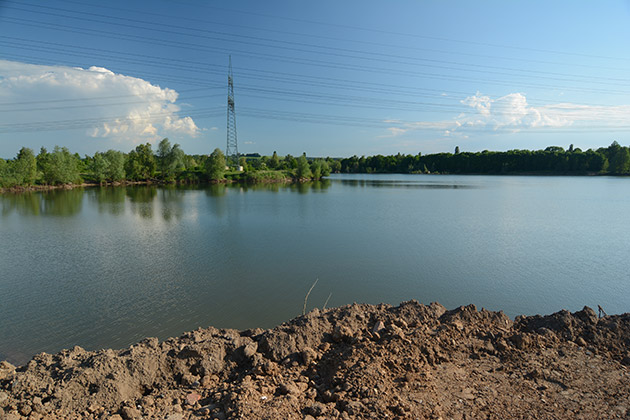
x,y
354,362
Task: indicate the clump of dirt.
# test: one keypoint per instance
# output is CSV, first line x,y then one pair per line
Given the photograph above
x,y
354,362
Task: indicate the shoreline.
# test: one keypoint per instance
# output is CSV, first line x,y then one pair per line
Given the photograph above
x,y
355,361
39,188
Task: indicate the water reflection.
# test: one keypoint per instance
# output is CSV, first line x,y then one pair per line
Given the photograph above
x,y
109,200
141,200
24,204
144,200
218,204
61,203
402,184
171,201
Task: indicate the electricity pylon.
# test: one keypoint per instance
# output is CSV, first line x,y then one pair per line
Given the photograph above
x,y
231,151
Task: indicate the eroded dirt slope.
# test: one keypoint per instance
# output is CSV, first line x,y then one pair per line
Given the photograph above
x,y
354,362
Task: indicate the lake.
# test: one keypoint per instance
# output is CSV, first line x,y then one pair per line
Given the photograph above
x,y
106,267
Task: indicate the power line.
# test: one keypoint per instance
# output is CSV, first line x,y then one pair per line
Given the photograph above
x,y
469,42
339,52
337,39
160,60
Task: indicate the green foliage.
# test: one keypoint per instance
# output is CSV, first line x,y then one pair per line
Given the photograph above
x,y
319,168
215,165
116,168
619,159
552,160
62,167
5,174
289,162
99,166
59,167
25,167
141,164
171,160
303,169
108,166
242,161
266,176
274,162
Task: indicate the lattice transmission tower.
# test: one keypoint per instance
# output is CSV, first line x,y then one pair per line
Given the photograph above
x,y
231,150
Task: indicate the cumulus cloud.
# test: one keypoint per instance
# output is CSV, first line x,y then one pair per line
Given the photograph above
x,y
513,113
103,103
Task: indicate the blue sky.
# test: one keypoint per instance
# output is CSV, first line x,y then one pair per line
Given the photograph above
x,y
328,78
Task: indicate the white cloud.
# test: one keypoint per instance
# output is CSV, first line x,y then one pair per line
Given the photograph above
x,y
103,103
512,113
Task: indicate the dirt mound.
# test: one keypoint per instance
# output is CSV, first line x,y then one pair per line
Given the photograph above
x,y
354,362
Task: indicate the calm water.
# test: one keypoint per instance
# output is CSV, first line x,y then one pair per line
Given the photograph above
x,y
107,267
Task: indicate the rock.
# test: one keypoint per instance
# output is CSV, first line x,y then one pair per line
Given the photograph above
x,y
309,356
354,408
250,350
397,331
190,380
147,401
192,398
580,342
522,341
175,416
587,315
341,332
309,417
130,413
289,388
4,398
378,327
25,409
401,323
318,409
115,417
6,370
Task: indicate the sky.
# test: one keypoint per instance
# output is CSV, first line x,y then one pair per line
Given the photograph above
x,y
328,78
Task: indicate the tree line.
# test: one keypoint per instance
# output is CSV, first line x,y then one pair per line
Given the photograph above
x,y
554,160
168,163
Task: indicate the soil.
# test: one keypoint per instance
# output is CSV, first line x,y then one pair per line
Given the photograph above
x,y
354,362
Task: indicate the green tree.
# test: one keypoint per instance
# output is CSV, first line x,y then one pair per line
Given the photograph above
x,y
215,165
164,157
325,168
116,165
316,169
60,167
619,158
171,160
141,163
274,162
4,173
303,169
289,162
99,166
42,159
25,167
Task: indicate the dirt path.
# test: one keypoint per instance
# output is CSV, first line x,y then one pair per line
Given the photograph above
x,y
355,362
